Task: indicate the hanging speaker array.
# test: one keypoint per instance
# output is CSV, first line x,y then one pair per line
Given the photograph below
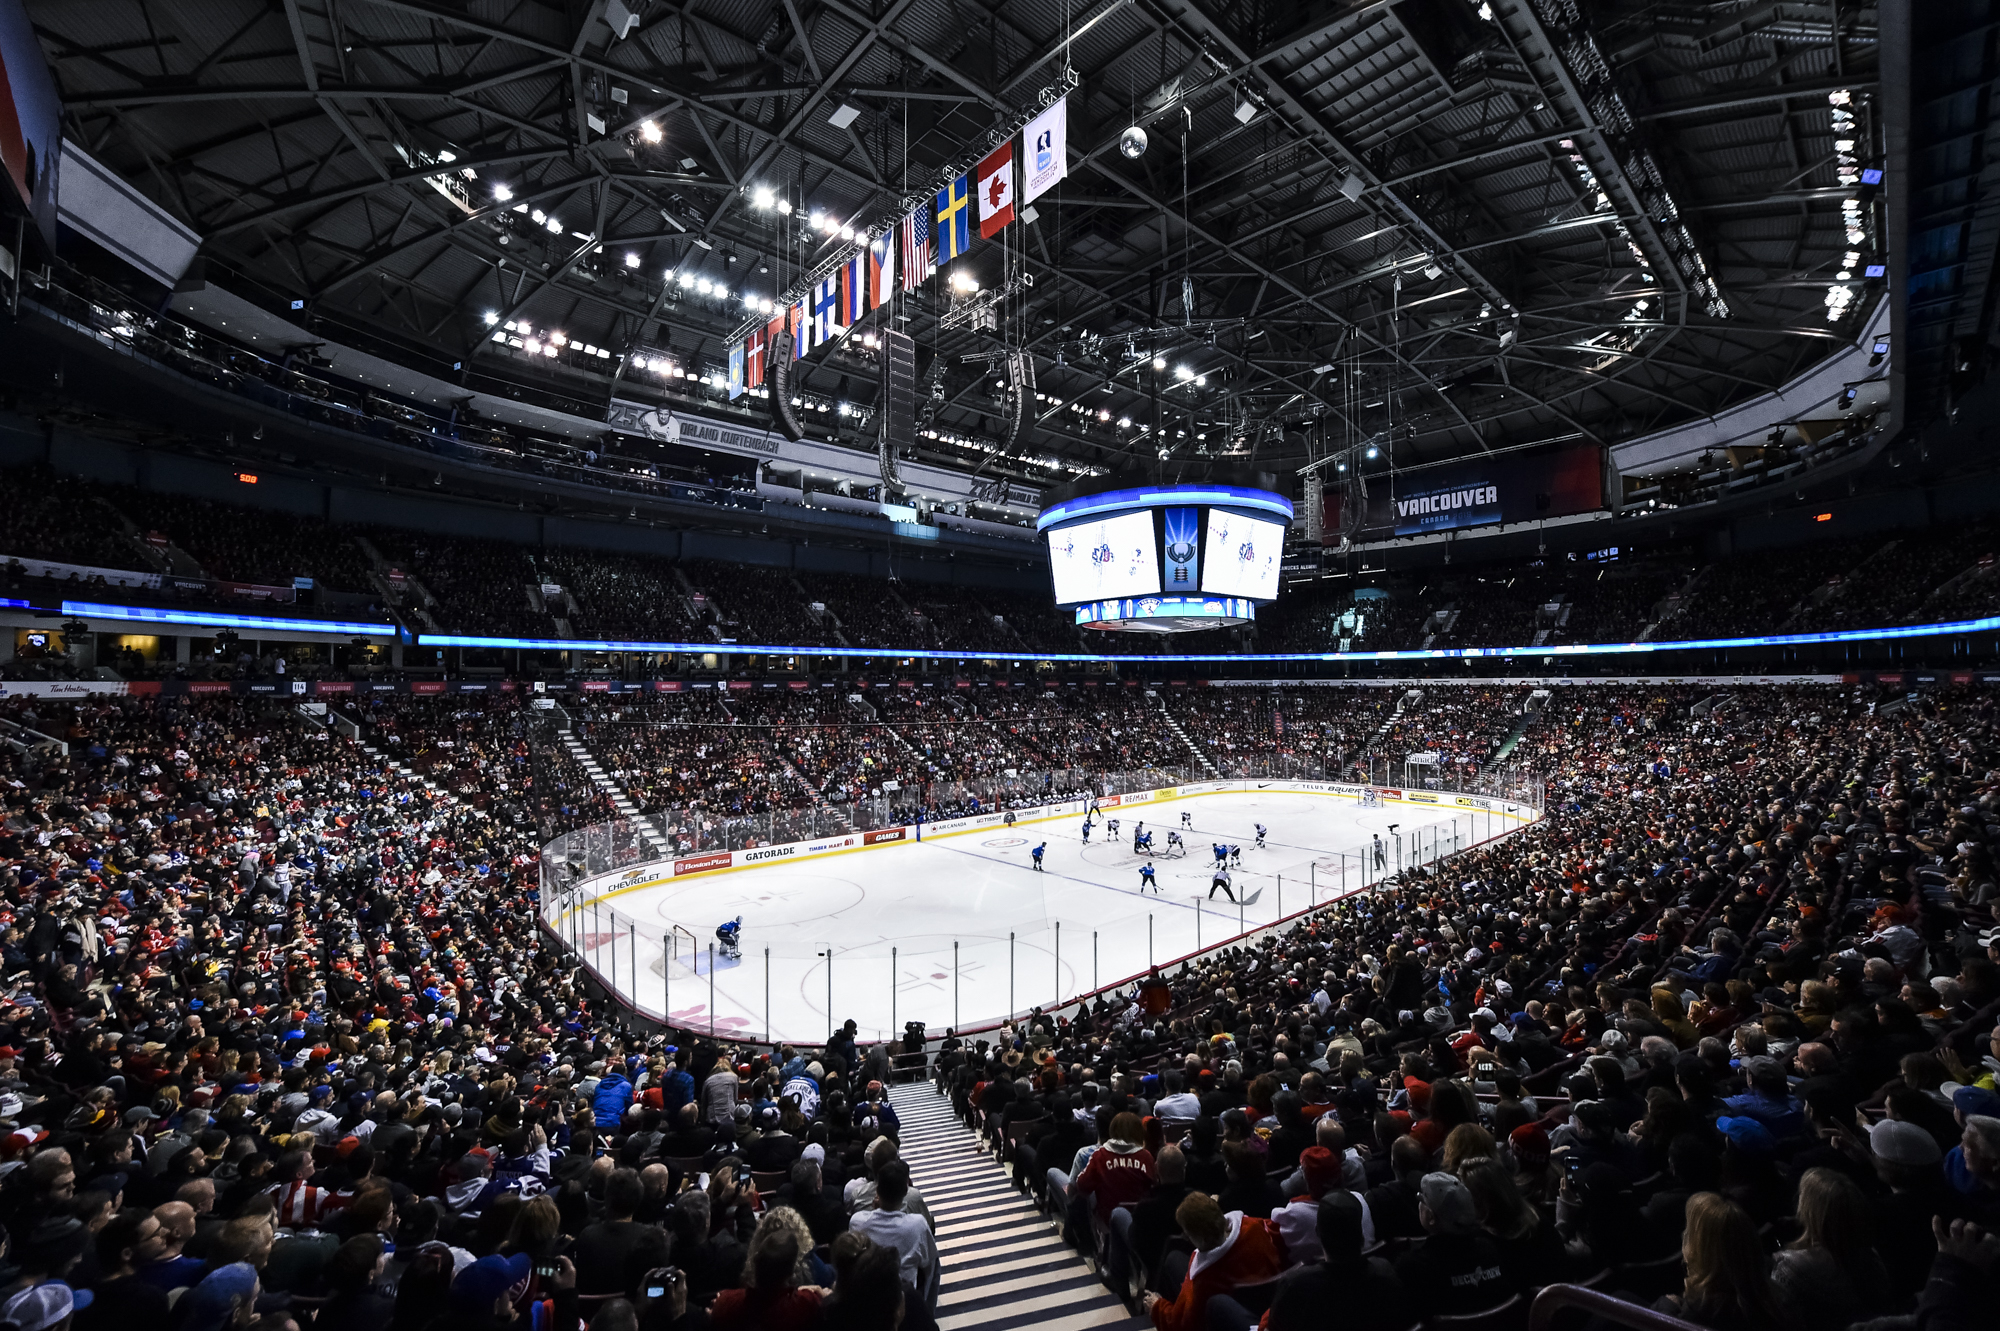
x,y
778,381
897,417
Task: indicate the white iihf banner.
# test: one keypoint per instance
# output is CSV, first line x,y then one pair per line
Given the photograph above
x,y
1044,151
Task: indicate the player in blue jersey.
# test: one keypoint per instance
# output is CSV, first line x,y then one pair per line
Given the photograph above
x,y
1147,879
730,936
1038,857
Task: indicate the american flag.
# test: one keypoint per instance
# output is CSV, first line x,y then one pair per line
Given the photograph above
x,y
916,249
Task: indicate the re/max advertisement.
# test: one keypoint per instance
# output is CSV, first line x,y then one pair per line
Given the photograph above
x,y
1475,493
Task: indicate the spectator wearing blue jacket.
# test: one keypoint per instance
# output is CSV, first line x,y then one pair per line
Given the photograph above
x,y
875,1114
614,1094
676,1086
1769,1100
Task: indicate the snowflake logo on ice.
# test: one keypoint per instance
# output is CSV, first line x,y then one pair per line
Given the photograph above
x,y
1102,555
1247,552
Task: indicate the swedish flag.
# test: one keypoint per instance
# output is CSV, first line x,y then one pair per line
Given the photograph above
x,y
954,219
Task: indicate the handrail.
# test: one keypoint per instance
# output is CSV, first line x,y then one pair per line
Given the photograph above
x,y
1554,1298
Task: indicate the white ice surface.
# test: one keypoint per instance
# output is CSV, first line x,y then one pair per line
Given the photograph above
x,y
960,930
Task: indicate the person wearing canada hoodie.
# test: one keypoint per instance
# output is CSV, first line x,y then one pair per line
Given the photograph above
x,y
1230,1251
1119,1174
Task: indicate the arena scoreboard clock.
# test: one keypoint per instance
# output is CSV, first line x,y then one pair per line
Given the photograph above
x,y
1140,556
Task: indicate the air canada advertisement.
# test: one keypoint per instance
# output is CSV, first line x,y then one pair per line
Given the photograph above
x,y
1482,492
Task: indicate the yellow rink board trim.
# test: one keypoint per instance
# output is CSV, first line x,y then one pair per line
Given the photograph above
x,y
1138,797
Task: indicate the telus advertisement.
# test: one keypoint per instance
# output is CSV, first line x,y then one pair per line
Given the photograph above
x,y
1477,492
1107,557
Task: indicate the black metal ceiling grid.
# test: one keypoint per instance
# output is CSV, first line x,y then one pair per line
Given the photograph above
x,y
295,135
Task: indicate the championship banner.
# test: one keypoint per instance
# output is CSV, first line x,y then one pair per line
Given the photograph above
x,y
996,190
1045,151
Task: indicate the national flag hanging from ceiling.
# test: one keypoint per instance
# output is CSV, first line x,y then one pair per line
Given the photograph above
x,y
954,219
825,310
996,190
754,349
881,268
916,249
801,330
736,371
853,277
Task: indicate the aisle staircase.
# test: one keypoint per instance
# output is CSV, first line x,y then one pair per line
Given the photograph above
x,y
1174,728
605,782
1004,1267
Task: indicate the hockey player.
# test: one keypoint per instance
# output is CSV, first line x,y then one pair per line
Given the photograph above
x,y
1221,854
1138,831
1147,879
1110,829
1236,857
1086,830
1143,841
729,935
1220,880
1187,819
1260,835
1038,857
1174,842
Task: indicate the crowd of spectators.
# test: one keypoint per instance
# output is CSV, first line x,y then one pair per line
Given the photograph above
x,y
238,544
1718,1036
759,605
621,597
284,1048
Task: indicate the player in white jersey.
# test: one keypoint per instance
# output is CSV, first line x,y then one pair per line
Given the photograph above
x,y
1260,835
1174,843
1187,819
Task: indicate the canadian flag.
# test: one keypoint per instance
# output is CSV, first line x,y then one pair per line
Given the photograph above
x,y
996,190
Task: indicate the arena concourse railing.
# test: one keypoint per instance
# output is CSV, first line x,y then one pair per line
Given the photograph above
x,y
665,971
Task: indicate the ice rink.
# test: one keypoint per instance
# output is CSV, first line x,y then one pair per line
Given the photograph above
x,y
960,929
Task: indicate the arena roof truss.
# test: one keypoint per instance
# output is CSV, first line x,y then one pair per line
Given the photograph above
x,y
1447,225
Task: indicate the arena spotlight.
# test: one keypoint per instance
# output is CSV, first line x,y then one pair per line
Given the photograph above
x,y
650,131
501,194
762,199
